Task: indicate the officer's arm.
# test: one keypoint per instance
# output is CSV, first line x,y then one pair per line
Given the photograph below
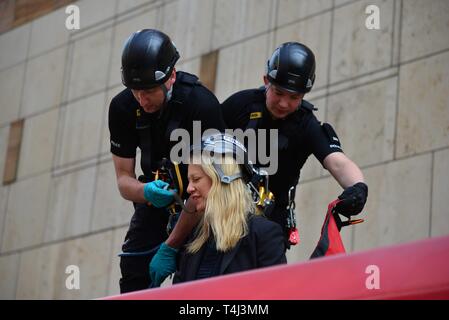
x,y
183,228
343,169
130,188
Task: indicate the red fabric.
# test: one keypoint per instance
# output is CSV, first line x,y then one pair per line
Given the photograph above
x,y
417,270
336,244
330,240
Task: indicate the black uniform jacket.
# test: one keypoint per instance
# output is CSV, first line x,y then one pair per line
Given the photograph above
x,y
263,246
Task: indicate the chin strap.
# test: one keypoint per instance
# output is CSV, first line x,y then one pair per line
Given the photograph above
x,y
167,96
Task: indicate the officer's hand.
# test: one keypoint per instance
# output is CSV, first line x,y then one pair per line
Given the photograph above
x,y
157,193
163,264
353,200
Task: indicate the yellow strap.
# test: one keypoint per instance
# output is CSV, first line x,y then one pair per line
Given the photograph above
x,y
261,195
255,115
178,176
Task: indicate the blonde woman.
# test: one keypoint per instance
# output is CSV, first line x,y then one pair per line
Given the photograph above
x,y
230,237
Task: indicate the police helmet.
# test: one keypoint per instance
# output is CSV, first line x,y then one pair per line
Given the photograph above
x,y
292,67
148,59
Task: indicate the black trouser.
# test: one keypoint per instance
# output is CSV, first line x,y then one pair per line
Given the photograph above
x,y
147,231
135,273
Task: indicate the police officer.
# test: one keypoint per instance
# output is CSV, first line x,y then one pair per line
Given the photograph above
x,y
157,100
280,105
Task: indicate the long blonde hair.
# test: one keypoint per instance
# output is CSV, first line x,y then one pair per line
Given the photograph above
x,y
227,208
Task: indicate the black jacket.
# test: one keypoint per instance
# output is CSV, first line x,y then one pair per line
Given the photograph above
x,y
263,246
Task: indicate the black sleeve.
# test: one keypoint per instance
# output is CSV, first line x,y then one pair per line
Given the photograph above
x,y
207,110
270,243
323,139
122,129
233,114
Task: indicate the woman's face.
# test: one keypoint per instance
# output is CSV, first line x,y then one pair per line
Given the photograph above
x,y
199,186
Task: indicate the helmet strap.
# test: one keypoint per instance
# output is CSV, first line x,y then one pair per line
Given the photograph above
x,y
167,96
224,178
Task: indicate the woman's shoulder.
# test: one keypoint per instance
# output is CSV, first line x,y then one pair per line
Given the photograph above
x,y
261,224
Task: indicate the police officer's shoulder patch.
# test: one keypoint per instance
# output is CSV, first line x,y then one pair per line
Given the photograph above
x,y
255,115
334,141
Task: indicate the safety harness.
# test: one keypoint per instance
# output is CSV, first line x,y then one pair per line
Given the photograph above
x,y
256,110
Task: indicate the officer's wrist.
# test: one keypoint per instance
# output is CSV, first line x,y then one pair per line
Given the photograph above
x,y
147,192
362,186
173,241
169,247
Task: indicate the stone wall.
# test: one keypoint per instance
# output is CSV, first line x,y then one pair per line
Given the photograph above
x,y
385,92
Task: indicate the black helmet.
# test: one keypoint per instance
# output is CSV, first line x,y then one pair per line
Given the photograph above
x,y
292,67
148,59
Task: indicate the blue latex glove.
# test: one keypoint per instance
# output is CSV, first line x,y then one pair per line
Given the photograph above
x,y
163,264
156,192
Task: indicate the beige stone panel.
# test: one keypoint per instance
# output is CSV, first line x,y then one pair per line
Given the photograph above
x,y
105,137
425,25
69,209
49,32
89,65
312,199
357,50
343,2
44,82
14,46
306,32
4,190
189,25
440,194
110,209
190,66
11,83
240,68
37,273
364,119
82,129
115,275
292,10
398,205
38,143
95,12
43,272
92,255
423,116
397,19
8,276
123,29
312,168
235,20
130,5
26,213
